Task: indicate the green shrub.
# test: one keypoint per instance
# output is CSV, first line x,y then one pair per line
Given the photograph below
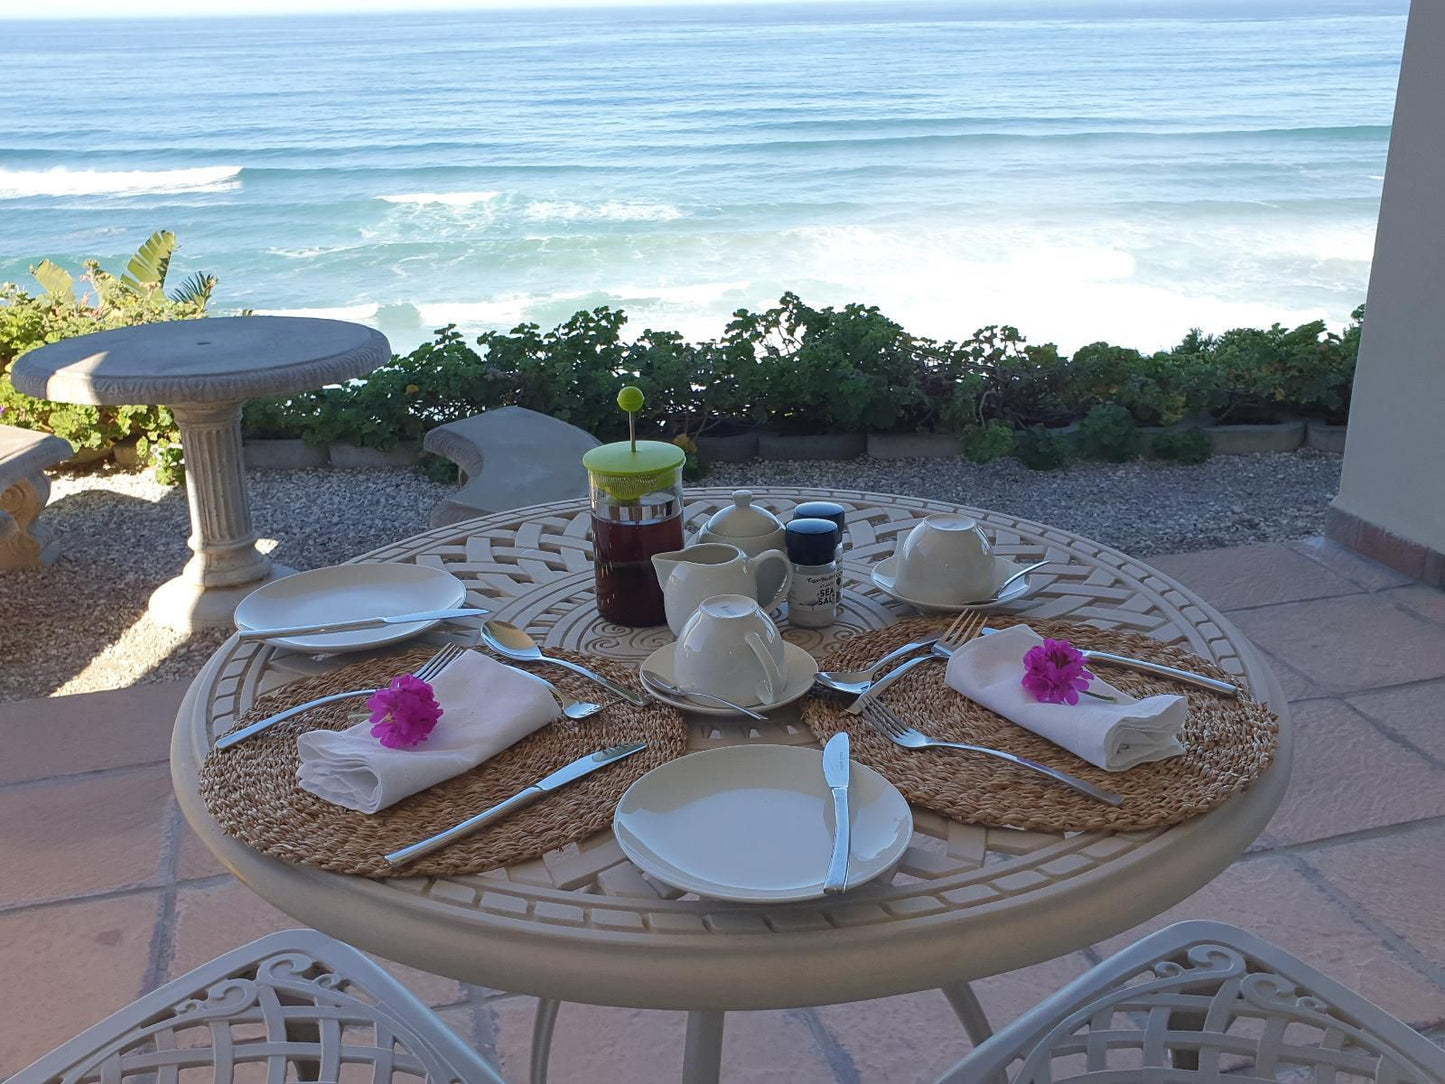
x,y
137,296
1109,432
1039,448
1267,373
1183,446
987,442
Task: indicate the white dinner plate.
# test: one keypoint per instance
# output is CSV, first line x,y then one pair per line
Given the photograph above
x,y
754,823
1003,568
800,667
347,592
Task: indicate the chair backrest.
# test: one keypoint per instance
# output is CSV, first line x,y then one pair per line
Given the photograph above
x,y
1203,1001
293,1005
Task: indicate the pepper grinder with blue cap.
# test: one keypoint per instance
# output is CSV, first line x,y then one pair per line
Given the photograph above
x,y
813,598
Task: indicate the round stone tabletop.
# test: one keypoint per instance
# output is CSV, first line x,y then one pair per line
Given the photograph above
x,y
223,359
584,924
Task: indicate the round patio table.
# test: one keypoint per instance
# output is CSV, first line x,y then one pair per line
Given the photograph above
x,y
584,924
205,370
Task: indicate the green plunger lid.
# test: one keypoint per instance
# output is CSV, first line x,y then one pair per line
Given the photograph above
x,y
628,474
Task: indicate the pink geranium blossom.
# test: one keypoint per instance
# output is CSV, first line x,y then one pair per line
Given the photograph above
x,y
404,713
1055,672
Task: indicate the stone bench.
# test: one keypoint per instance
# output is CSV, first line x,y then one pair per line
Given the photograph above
x,y
24,489
509,457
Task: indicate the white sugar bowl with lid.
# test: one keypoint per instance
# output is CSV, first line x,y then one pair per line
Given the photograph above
x,y
748,526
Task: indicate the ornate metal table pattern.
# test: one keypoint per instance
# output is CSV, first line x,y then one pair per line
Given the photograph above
x,y
584,924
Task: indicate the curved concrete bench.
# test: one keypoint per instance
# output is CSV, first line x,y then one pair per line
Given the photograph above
x,y
24,489
509,457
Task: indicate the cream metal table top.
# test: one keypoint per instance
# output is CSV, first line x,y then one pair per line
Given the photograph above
x,y
584,924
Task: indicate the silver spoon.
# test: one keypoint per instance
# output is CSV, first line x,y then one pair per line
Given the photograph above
x,y
652,677
999,590
572,708
506,639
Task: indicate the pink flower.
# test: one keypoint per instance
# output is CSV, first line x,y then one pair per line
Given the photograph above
x,y
404,713
1054,672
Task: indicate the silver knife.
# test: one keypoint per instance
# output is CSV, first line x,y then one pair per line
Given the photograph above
x,y
835,774
1189,677
359,623
560,778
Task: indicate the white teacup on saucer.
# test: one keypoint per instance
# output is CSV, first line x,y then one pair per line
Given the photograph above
x,y
946,559
730,648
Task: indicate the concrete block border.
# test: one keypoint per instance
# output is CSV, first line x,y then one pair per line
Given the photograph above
x,y
823,446
1247,439
913,445
1324,437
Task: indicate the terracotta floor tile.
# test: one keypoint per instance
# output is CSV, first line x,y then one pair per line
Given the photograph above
x,y
1348,644
1425,601
59,735
1371,575
1269,897
913,1038
1415,712
1295,685
595,1044
213,919
67,967
1253,575
1347,776
193,860
1399,879
909,1039
78,836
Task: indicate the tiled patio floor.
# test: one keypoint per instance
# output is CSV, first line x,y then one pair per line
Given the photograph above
x,y
104,893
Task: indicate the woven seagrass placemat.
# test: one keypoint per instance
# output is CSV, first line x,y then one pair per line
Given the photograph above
x,y
1228,742
251,788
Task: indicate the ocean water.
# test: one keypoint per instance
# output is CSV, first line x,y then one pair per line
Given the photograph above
x,y
1083,170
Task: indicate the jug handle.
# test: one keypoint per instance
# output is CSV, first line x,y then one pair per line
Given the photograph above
x,y
760,580
772,674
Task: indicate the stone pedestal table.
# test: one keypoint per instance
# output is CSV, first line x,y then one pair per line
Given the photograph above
x,y
204,370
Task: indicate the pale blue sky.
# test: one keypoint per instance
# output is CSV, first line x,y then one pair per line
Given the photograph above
x,y
79,9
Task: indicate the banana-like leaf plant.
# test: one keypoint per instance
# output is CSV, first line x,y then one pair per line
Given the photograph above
x,y
150,263
55,280
195,290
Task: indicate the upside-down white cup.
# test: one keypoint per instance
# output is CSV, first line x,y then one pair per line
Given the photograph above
x,y
947,560
730,648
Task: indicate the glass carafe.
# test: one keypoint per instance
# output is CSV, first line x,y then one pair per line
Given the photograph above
x,y
636,512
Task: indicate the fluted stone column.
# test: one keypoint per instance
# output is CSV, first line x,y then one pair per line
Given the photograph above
x,y
204,370
223,542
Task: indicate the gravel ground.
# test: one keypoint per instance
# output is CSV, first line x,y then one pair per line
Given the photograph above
x,y
1142,507
80,625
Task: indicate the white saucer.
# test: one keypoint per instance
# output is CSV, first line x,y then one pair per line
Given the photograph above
x,y
343,592
800,667
754,823
1003,568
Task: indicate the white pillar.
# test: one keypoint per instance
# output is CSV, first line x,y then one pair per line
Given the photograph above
x,y
1391,504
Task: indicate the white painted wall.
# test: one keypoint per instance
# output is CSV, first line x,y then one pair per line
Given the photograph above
x,y
1394,471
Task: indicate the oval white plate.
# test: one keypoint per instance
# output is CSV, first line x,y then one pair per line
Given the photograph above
x,y
800,667
1003,568
345,592
754,823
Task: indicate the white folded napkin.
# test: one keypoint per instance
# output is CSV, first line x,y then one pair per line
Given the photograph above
x,y
1113,736
485,708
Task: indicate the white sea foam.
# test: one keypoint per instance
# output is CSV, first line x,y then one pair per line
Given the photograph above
x,y
611,211
363,314
449,199
60,181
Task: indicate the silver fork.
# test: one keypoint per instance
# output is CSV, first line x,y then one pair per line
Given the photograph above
x,y
965,627
426,671
884,720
